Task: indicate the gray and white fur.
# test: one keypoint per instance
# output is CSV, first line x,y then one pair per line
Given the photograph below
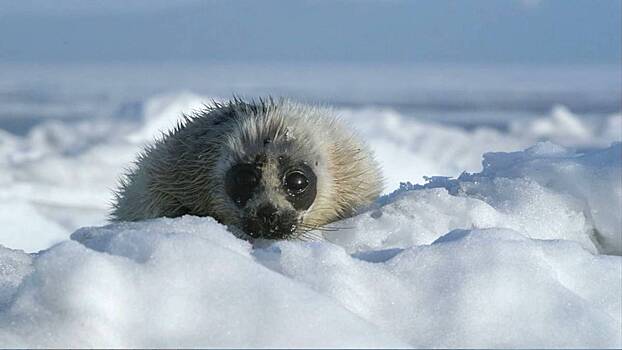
x,y
270,169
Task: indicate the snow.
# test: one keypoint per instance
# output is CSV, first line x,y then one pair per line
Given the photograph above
x,y
515,241
545,192
410,149
188,282
129,286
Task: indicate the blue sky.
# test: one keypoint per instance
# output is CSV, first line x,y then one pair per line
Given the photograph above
x,y
480,31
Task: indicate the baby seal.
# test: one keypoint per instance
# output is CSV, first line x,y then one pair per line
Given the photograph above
x,y
270,169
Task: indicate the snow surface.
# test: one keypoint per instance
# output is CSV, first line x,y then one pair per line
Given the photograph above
x,y
188,282
522,252
545,192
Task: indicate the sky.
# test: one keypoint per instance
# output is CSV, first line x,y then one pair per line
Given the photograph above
x,y
477,31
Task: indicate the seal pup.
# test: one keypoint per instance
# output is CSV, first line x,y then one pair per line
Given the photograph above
x,y
270,169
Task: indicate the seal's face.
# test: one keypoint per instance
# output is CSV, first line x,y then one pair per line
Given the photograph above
x,y
272,193
273,173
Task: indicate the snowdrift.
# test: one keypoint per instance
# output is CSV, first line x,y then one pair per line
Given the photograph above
x,y
511,256
545,192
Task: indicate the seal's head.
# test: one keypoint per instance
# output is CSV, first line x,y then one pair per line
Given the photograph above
x,y
273,187
268,169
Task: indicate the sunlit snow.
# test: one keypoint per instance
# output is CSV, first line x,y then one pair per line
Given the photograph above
x,y
510,242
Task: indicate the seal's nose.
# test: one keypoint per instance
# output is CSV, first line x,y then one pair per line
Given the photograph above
x,y
271,223
268,215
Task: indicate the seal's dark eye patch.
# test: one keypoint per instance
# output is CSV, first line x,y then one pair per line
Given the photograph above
x,y
241,181
300,184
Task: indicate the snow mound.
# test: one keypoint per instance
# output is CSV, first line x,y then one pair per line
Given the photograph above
x,y
166,283
187,282
471,288
545,192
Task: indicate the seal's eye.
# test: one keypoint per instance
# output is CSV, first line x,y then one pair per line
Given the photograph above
x,y
296,182
241,181
300,185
